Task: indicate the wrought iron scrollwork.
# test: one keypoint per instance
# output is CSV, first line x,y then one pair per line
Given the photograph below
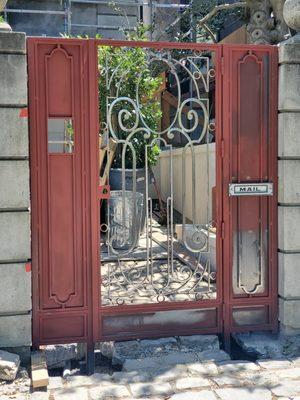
x,y
152,279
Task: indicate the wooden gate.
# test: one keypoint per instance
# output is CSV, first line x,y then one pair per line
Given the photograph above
x,y
233,100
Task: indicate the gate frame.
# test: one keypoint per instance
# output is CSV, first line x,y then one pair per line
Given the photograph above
x,y
217,303
223,301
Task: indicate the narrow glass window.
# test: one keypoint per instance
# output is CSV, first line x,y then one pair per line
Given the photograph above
x,y
60,135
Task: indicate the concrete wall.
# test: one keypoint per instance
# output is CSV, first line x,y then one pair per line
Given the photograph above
x,y
204,180
106,20
15,276
289,187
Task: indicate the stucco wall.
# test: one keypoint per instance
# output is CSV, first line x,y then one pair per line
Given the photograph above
x,y
289,187
204,180
15,246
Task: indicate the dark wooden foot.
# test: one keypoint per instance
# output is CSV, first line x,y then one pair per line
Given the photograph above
x,y
90,359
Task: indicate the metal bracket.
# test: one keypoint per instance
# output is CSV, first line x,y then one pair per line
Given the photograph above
x,y
104,192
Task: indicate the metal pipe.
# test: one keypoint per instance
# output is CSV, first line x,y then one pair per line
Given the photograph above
x,y
137,3
67,6
113,27
65,19
23,11
166,5
123,3
147,14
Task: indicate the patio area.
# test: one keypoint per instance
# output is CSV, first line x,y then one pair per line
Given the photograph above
x,y
159,269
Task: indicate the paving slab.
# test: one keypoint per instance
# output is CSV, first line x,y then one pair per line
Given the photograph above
x,y
199,395
125,378
57,355
295,361
169,374
266,379
231,380
269,346
177,358
149,363
113,392
205,342
92,380
287,389
161,342
55,382
144,398
151,389
237,367
212,355
289,373
19,397
293,398
262,344
39,396
191,383
206,369
244,394
70,393
274,364
118,352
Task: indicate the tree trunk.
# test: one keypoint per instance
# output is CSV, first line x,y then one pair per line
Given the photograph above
x,y
266,25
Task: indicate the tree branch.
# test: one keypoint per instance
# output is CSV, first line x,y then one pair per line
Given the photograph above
x,y
207,29
216,9
210,32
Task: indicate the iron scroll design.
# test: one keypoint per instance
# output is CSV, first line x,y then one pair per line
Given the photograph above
x,y
151,280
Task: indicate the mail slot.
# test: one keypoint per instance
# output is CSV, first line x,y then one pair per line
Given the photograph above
x,y
250,189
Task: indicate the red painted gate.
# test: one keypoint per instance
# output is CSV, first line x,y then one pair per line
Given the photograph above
x,y
73,297
250,155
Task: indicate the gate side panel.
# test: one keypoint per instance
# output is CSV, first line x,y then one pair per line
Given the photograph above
x,y
58,165
250,88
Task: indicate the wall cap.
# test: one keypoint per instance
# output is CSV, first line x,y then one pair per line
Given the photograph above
x,y
12,42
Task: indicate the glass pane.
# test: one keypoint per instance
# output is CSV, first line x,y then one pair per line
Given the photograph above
x,y
60,135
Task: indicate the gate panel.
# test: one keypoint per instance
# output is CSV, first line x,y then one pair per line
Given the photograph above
x,y
250,88
60,199
154,283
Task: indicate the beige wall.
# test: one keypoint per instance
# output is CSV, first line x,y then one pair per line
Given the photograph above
x,y
289,187
15,249
205,174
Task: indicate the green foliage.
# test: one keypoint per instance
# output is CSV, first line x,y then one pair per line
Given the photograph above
x,y
131,61
2,18
131,70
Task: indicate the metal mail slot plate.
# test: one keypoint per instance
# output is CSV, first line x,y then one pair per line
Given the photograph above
x,y
250,189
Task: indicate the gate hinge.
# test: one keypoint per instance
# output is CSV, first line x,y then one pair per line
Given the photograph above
x,y
104,192
222,148
222,65
223,230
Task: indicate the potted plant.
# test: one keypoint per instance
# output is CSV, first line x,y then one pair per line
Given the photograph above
x,y
4,26
126,74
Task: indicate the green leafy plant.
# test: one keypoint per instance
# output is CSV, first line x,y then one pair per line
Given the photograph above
x,y
131,69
